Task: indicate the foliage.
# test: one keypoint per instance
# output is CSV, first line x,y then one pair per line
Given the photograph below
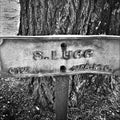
x,y
94,97
20,99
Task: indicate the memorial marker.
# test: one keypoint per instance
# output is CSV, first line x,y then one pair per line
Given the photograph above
x,y
59,56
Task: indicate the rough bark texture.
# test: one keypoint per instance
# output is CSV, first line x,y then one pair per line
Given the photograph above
x,y
47,17
94,97
88,99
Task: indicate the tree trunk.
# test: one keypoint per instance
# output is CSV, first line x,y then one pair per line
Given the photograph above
x,y
84,17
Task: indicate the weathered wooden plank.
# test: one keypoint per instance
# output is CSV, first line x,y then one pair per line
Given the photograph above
x,y
21,56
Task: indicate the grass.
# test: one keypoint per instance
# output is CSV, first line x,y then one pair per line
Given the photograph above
x,y
91,97
23,99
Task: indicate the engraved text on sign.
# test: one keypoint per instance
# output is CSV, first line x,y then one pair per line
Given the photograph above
x,y
77,54
47,55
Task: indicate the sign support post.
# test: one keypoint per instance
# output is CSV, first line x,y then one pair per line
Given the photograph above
x,y
62,86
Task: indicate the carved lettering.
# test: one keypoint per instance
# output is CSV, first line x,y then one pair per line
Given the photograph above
x,y
107,68
92,67
12,71
88,53
66,55
78,54
38,55
19,70
54,55
99,67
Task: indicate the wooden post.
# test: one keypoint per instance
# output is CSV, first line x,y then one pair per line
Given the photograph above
x,y
62,85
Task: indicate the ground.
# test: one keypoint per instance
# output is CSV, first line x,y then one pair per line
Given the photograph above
x,y
94,97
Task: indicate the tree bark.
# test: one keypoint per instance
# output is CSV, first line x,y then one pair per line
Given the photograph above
x,y
84,17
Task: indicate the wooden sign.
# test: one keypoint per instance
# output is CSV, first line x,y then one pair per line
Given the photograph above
x,y
59,57
26,56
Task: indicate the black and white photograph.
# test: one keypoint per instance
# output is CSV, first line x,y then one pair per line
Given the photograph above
x,y
59,60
